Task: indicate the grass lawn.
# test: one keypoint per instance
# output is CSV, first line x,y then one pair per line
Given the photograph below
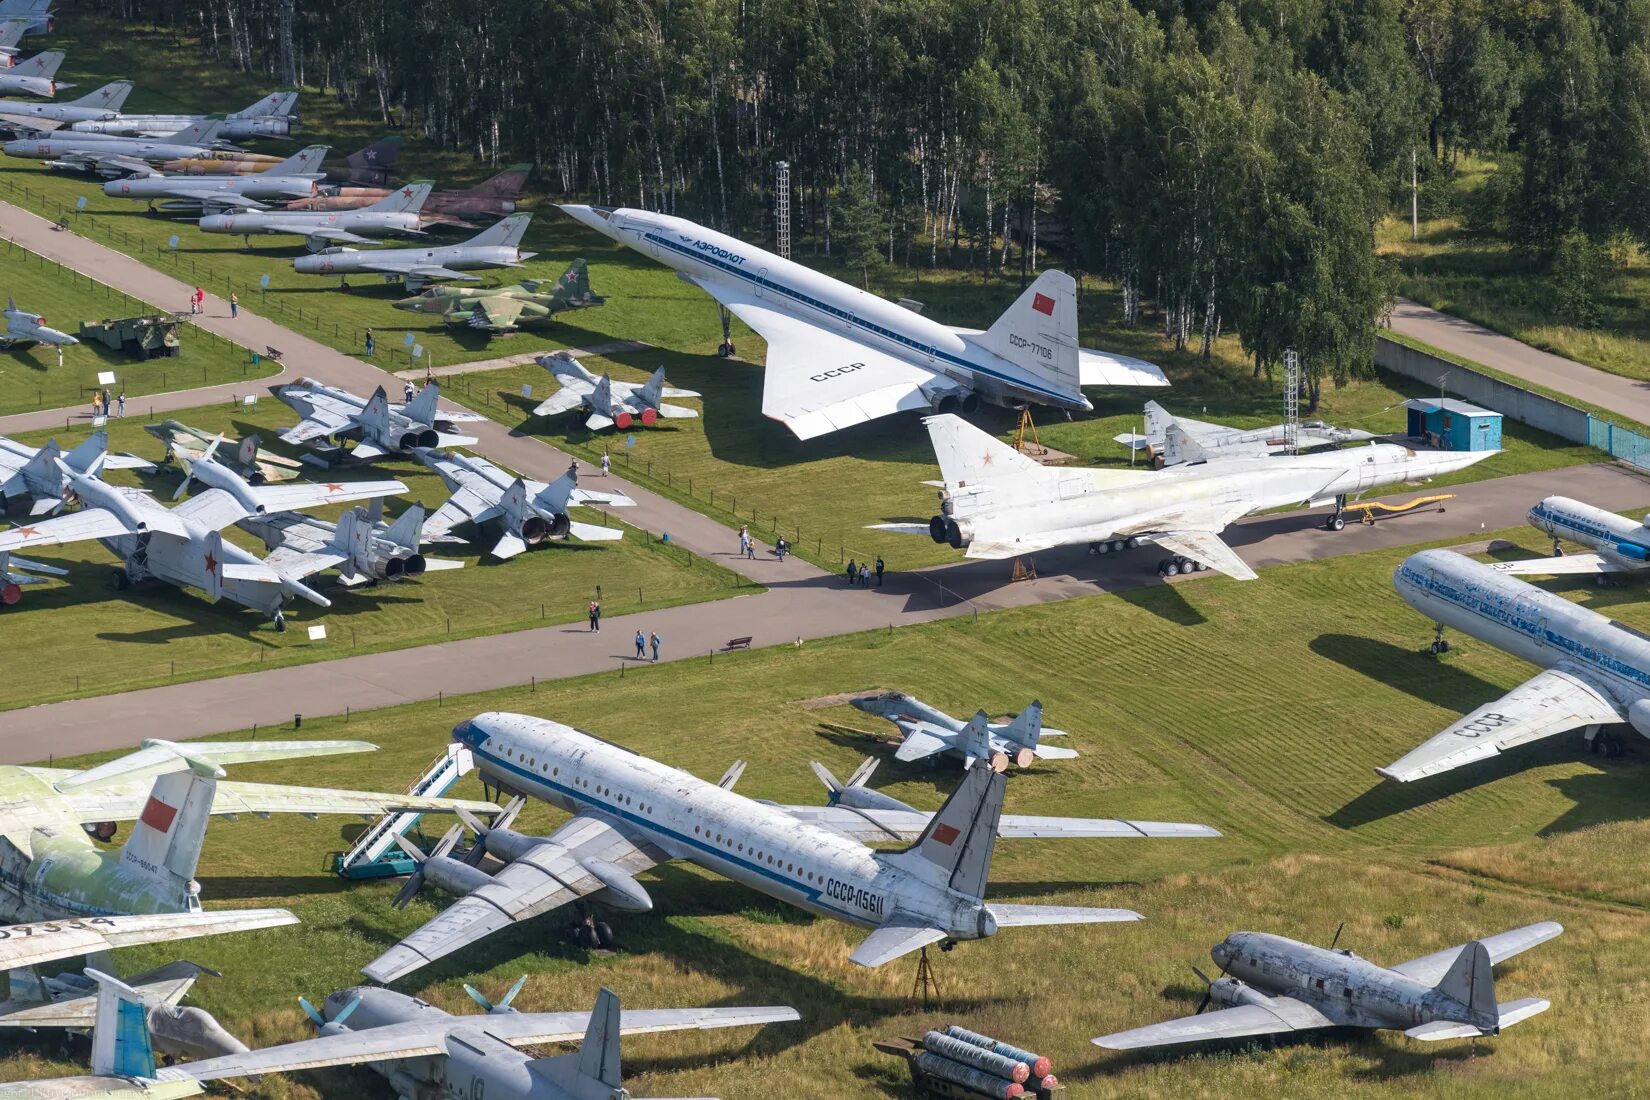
x,y
1484,279
1264,718
87,639
30,377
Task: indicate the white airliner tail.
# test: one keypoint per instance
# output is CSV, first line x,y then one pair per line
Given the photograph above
x,y
1038,333
956,848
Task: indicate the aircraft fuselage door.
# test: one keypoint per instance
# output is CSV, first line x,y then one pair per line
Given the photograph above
x,y
761,282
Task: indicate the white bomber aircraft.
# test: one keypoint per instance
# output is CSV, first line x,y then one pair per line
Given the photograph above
x,y
25,326
1596,671
1619,545
998,503
631,813
839,356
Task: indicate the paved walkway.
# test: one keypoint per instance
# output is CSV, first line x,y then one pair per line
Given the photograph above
x,y
1627,396
612,347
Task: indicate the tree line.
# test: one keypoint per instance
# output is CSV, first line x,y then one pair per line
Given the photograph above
x,y
1225,162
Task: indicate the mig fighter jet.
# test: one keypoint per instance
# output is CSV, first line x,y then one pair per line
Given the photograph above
x,y
611,404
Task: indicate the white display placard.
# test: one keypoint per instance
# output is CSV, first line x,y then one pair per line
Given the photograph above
x,y
317,633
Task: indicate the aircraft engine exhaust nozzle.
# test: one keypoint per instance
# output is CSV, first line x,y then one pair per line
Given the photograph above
x,y
936,529
10,593
959,533
413,565
1024,757
560,526
649,416
622,421
394,568
999,762
534,530
426,438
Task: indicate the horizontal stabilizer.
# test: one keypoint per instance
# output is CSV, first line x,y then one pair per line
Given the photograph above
x,y
1026,916
590,532
158,757
901,935
1508,1013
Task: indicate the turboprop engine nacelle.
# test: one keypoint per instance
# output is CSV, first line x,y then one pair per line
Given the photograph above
x,y
623,891
508,845
453,876
1231,992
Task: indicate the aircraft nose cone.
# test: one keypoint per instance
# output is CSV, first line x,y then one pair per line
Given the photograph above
x,y
1223,953
408,304
596,217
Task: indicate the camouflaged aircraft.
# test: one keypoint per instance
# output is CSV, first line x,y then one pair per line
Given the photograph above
x,y
498,311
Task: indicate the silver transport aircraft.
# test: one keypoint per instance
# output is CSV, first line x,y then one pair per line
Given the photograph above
x,y
631,813
1272,985
1595,671
1620,546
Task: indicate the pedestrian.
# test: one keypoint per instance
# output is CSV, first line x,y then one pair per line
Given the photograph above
x,y
744,537
200,300
607,463
781,548
194,303
408,392
234,304
107,403
656,640
371,347
97,404
750,548
865,575
641,644
595,611
853,570
121,404
880,568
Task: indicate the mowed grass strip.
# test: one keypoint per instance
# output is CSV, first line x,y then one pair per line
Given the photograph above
x,y
1263,717
88,639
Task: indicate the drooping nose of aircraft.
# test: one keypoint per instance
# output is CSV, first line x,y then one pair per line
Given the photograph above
x,y
596,217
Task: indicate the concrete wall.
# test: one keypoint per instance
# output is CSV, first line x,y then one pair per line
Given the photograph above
x,y
1512,402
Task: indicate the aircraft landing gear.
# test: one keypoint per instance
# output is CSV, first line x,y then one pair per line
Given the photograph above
x,y
1336,522
1113,546
1608,744
120,580
1558,549
724,350
280,622
588,932
1439,645
1179,564
343,285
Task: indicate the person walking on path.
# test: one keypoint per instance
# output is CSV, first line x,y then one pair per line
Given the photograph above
x,y
781,547
408,392
108,402
750,548
200,301
607,463
853,570
371,346
120,404
194,303
865,575
656,640
595,617
234,304
880,568
641,645
97,404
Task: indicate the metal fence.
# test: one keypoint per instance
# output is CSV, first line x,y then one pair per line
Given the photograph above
x,y
1619,442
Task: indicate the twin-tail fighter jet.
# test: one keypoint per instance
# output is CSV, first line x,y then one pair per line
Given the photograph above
x,y
25,326
997,503
359,545
839,356
1179,439
1620,546
501,310
423,1050
523,513
1270,985
401,212
930,732
611,404
631,813
373,425
496,246
1595,671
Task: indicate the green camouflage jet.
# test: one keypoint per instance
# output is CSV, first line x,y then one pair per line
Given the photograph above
x,y
500,310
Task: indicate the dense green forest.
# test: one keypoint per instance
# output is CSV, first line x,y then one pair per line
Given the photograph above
x,y
1224,161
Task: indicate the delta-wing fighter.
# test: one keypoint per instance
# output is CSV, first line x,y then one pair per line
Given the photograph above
x,y
1179,439
114,156
611,404
1620,546
375,427
631,813
27,116
523,513
399,213
35,76
272,116
1595,671
930,731
41,474
25,326
292,177
1271,985
505,309
424,1051
359,545
496,246
494,198
252,462
370,165
997,503
839,356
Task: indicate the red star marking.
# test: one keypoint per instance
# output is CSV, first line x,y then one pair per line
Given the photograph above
x,y
985,459
406,192
334,488
211,564
25,531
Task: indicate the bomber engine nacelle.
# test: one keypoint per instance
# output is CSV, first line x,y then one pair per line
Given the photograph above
x,y
1638,716
623,891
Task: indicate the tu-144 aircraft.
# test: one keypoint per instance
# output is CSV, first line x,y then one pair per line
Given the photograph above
x,y
1620,546
1271,985
631,813
839,356
1595,671
611,404
524,513
930,732
373,425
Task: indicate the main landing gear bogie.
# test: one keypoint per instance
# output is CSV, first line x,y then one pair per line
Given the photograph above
x,y
591,934
1180,565
1113,546
1608,743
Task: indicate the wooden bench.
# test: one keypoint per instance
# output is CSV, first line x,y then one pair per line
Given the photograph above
x,y
737,643
272,353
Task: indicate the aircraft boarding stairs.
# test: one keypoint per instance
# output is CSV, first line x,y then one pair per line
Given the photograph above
x,y
376,854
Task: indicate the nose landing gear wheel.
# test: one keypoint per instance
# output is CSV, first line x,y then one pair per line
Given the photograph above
x,y
280,623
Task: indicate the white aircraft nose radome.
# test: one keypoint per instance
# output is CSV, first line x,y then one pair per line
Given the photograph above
x,y
596,217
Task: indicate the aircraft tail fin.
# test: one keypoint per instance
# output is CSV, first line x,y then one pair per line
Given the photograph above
x,y
406,199
504,234
968,456
1158,420
247,453
653,392
41,475
305,162
1038,334
197,133
1027,727
508,184
592,1072
375,416
422,408
514,514
377,158
556,496
1470,982
1179,447
121,1045
404,531
975,740
88,457
26,986
601,396
110,97
41,64
273,105
164,848
957,846
212,584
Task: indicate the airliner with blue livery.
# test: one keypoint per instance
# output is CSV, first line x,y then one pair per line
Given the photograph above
x,y
631,813
1596,671
839,356
1619,545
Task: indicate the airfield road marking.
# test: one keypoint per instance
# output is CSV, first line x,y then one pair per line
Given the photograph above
x,y
594,351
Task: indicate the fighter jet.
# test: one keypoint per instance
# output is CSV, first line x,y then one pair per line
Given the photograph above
x,y
505,309
24,326
35,76
494,198
1622,546
1178,439
294,176
272,116
998,503
183,442
497,246
374,426
422,1050
360,546
42,473
838,355
36,15
524,513
631,813
400,213
183,545
930,731
611,404
12,30
370,165
1593,667
1271,985
259,500
113,156
25,116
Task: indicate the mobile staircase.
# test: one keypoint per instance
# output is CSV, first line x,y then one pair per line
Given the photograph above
x,y
376,854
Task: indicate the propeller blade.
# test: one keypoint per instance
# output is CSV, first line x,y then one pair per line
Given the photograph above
x,y
410,848
862,774
1341,928
472,821
478,997
1204,1003
510,996
309,1010
511,812
183,487
1204,978
212,448
409,890
826,778
449,841
354,1004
